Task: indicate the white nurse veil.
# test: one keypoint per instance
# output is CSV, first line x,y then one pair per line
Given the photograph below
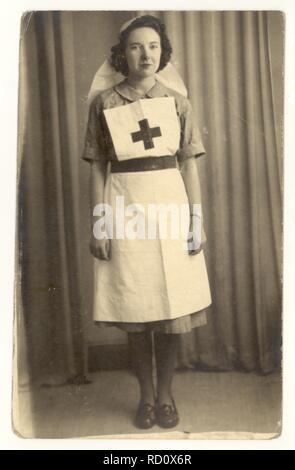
x,y
107,77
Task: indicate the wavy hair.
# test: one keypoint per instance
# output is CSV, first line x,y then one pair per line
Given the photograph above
x,y
118,58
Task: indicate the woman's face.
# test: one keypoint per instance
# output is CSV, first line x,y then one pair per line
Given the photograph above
x,y
143,52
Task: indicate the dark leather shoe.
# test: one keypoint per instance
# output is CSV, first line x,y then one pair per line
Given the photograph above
x,y
167,415
145,416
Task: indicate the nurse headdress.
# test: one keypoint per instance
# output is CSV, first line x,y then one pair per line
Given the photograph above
x,y
106,76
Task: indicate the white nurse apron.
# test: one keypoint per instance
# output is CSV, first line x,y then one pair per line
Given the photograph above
x,y
154,279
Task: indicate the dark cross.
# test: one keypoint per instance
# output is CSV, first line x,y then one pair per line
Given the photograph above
x,y
146,133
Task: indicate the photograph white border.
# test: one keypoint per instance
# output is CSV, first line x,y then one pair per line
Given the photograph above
x,y
10,28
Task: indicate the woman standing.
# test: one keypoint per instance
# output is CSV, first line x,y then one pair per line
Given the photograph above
x,y
142,141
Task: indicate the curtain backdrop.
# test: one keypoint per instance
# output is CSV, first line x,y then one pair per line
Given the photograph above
x,y
228,65
48,210
232,65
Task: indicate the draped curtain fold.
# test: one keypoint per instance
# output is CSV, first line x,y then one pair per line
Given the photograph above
x,y
48,210
231,69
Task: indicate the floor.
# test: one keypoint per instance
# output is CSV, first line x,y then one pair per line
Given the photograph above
x,y
209,404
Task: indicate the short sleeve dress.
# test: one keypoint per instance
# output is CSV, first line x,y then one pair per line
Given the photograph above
x,y
150,282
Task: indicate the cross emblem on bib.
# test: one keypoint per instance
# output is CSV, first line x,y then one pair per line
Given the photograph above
x,y
146,134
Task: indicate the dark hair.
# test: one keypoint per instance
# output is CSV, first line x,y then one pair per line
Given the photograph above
x,y
118,59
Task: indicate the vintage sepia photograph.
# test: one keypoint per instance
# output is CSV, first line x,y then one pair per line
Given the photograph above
x,y
148,276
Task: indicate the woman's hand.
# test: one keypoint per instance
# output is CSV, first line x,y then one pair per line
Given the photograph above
x,y
190,176
195,238
100,249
